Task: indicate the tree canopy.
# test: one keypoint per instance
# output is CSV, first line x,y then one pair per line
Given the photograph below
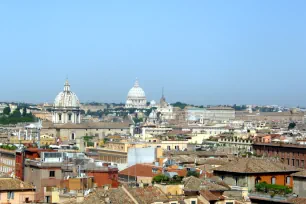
x,y
7,110
291,125
16,117
179,104
193,173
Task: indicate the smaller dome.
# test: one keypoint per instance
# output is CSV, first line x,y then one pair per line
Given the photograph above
x,y
66,98
153,103
153,115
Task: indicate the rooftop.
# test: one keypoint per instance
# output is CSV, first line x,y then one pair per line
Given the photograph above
x,y
140,170
301,174
252,165
208,195
281,145
89,125
196,184
11,184
148,194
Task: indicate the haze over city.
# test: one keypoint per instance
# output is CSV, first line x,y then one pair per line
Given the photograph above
x,y
201,52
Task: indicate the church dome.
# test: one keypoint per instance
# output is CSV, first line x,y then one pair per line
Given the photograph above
x,y
153,103
66,98
136,92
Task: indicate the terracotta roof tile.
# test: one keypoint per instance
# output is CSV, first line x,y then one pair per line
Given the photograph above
x,y
300,174
208,195
141,170
14,184
252,165
298,200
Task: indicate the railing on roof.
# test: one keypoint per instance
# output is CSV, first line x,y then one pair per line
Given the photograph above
x,y
267,196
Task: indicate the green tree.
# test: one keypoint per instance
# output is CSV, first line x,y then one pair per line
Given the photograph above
x,y
193,173
24,111
160,178
291,125
16,113
6,110
180,105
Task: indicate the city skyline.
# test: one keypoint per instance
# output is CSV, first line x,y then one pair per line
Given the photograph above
x,y
201,53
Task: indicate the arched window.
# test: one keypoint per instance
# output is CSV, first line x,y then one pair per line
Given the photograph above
x,y
273,180
59,116
73,136
69,116
288,180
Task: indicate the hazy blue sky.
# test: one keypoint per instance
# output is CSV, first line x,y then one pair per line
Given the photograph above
x,y
202,52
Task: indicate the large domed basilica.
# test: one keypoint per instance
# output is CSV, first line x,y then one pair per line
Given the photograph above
x,y
66,108
136,97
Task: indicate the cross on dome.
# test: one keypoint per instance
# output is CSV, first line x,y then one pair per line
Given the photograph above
x,y
136,84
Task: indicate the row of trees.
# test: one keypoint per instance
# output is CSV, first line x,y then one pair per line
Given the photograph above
x,y
16,116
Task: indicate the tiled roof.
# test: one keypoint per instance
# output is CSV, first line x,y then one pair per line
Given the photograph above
x,y
144,170
192,183
251,165
116,196
214,186
212,161
300,174
297,200
208,195
195,184
14,184
147,195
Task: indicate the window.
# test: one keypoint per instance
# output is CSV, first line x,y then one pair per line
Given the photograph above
x,y
236,181
168,147
51,173
273,180
222,178
288,180
292,162
297,163
302,163
10,195
69,116
73,136
193,202
59,116
288,161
